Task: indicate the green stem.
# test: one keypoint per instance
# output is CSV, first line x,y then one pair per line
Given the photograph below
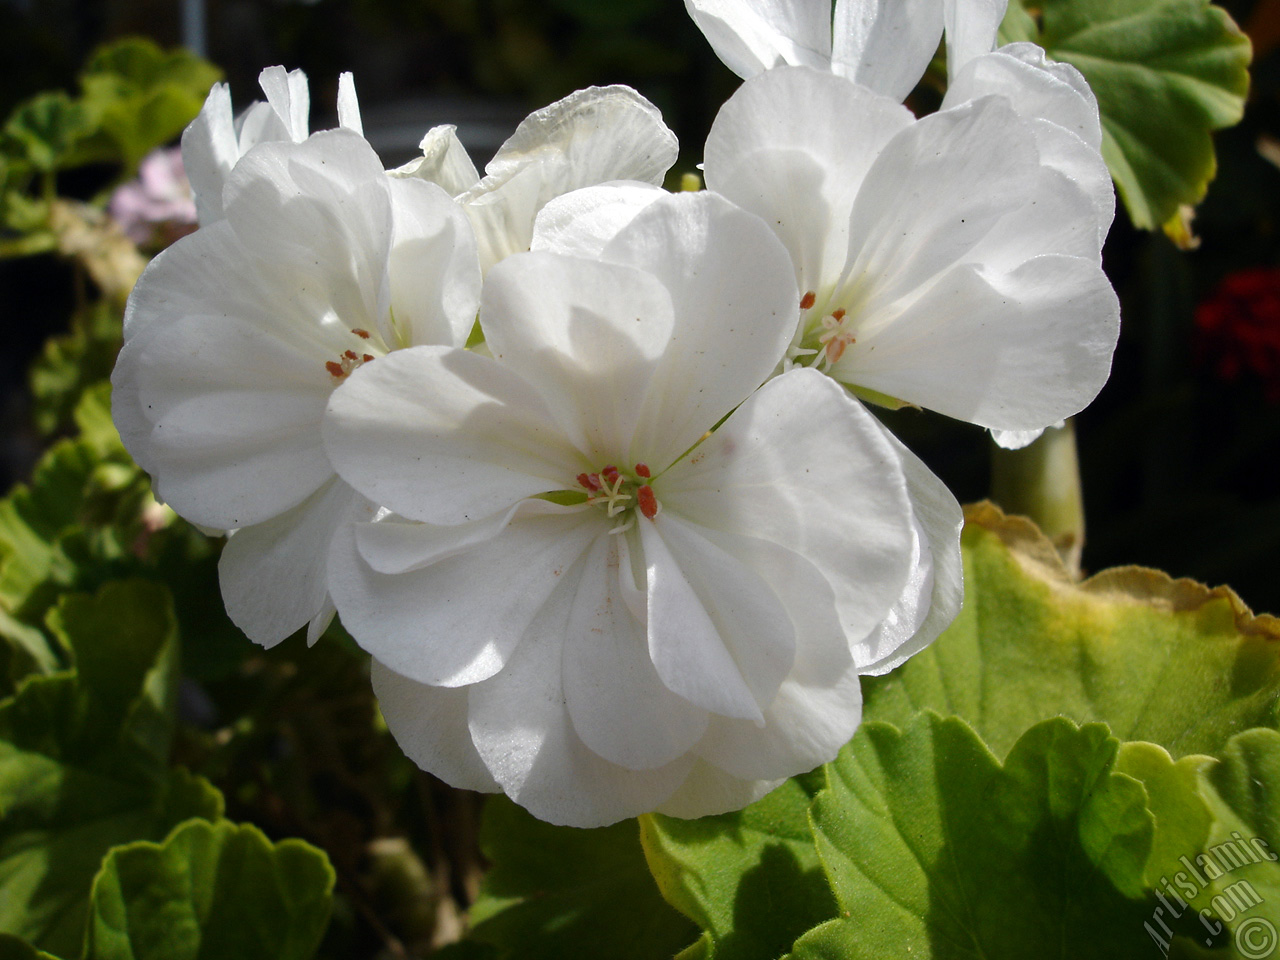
x,y
1042,481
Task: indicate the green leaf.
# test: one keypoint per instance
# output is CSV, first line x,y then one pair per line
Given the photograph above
x,y
31,519
1161,660
141,97
1182,817
46,128
70,364
556,892
1166,73
87,482
213,891
936,850
751,880
83,760
13,948
1236,876
88,517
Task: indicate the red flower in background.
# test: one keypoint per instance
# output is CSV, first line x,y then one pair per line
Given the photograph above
x,y
1239,328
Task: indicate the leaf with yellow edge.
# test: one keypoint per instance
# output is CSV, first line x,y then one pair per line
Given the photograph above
x,y
1167,661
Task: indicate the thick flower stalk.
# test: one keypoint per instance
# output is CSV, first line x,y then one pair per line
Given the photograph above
x,y
586,598
236,336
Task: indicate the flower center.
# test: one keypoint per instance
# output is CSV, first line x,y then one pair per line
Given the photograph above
x,y
349,360
621,493
833,332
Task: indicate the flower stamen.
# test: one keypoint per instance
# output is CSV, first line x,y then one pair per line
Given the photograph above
x,y
341,368
836,339
621,493
647,502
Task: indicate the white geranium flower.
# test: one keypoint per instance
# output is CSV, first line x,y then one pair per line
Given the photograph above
x,y
593,136
236,335
216,140
947,262
586,600
886,44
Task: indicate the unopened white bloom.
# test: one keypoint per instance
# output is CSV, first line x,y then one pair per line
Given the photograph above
x,y
882,44
948,262
216,140
585,600
592,136
236,336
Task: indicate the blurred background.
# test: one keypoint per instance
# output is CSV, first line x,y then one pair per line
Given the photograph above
x,y
1180,455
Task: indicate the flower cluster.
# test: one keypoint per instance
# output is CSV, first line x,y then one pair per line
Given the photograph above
x,y
585,465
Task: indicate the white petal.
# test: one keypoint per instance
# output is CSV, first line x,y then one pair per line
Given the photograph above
x,y
320,622
802,465
209,152
581,223
1057,100
589,336
718,634
127,411
708,790
446,436
593,136
454,621
259,123
394,546
188,280
886,44
732,287
348,104
804,726
1060,218
822,649
434,268
935,191
1035,86
444,161
290,99
320,209
430,725
751,36
1017,351
620,708
522,730
235,409
774,150
274,574
935,589
1069,156
1017,439
971,29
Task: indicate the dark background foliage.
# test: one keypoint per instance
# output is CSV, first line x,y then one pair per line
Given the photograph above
x,y
1178,454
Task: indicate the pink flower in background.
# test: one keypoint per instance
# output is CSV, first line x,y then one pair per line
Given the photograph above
x,y
157,208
